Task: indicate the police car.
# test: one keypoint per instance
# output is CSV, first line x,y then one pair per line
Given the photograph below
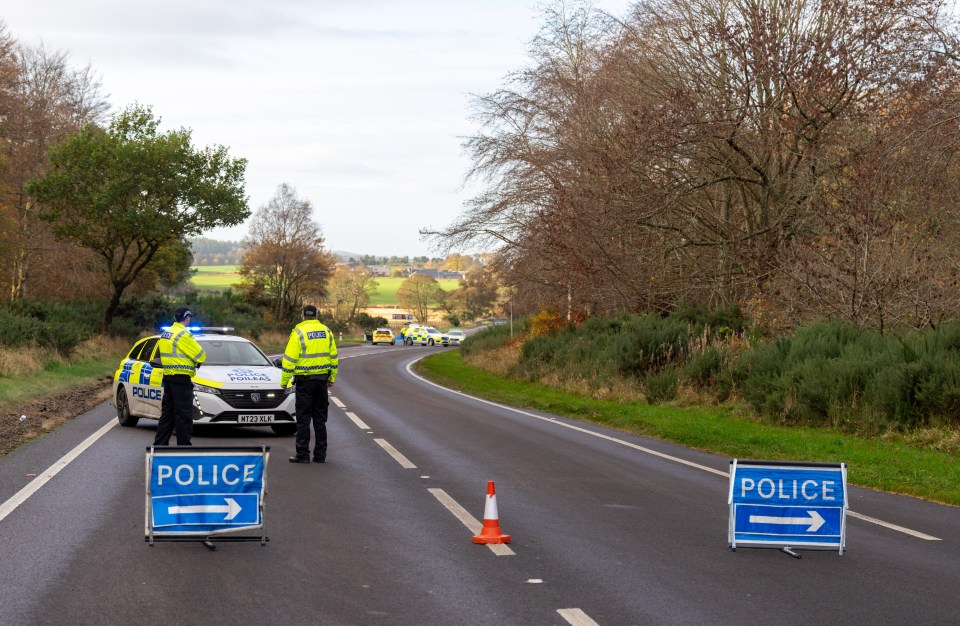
x,y
383,335
237,385
429,336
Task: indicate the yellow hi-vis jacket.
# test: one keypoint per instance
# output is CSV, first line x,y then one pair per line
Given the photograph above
x,y
310,351
179,352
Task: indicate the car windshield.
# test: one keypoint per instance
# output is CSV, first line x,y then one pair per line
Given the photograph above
x,y
220,352
433,330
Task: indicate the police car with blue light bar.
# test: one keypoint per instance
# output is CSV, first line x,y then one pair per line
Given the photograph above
x,y
237,385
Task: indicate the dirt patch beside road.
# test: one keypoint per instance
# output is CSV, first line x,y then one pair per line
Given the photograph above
x,y
45,414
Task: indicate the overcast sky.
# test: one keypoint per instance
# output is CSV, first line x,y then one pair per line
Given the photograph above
x,y
360,105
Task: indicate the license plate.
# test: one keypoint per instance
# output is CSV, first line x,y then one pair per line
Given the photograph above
x,y
254,419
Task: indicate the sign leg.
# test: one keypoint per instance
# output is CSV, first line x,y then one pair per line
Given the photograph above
x,y
791,552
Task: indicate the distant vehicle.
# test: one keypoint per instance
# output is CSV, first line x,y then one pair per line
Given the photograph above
x,y
383,335
456,337
498,323
236,386
430,336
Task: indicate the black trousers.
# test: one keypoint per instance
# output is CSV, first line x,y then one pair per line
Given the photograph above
x,y
312,404
176,411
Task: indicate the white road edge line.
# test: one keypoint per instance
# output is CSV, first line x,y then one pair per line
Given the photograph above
x,y
399,458
576,617
906,531
472,524
356,420
409,368
21,496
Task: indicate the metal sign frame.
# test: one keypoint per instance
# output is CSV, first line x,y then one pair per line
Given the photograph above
x,y
789,507
224,486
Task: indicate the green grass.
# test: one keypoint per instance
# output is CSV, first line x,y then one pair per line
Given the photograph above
x,y
214,277
386,294
55,378
222,277
878,464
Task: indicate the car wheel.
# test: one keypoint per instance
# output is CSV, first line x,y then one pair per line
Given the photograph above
x,y
284,429
374,342
123,410
430,342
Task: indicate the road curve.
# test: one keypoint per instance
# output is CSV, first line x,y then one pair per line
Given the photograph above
x,y
606,528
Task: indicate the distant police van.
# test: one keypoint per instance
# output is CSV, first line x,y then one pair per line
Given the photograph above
x,y
237,385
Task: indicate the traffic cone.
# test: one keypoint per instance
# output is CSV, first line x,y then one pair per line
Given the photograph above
x,y
491,522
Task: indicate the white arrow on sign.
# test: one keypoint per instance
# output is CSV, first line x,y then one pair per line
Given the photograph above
x,y
231,508
815,520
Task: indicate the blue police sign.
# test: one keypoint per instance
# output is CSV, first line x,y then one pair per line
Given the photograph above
x,y
201,491
787,504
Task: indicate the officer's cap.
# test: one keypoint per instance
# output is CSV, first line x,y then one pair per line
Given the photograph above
x,y
181,314
309,311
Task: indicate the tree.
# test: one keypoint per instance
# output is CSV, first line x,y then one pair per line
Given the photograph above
x,y
418,294
477,293
130,192
42,100
350,291
689,151
284,261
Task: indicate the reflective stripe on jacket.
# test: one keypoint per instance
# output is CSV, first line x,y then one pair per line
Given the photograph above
x,y
179,352
310,351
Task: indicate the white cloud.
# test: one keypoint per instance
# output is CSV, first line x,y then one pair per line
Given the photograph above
x,y
359,105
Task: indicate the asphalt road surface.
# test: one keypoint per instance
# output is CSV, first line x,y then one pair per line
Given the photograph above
x,y
606,528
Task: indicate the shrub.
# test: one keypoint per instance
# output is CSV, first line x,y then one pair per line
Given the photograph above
x,y
662,386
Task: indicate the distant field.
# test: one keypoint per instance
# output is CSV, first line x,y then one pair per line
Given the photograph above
x,y
387,289
214,277
221,277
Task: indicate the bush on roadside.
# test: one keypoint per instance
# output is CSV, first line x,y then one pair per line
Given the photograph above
x,y
59,326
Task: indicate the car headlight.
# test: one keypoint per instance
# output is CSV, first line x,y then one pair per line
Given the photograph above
x,y
205,389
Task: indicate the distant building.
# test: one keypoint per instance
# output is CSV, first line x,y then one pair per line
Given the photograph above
x,y
439,274
379,270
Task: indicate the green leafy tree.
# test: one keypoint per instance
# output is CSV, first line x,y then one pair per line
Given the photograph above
x,y
418,294
350,291
477,294
127,192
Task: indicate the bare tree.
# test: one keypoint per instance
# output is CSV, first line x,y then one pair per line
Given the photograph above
x,y
689,152
284,260
44,100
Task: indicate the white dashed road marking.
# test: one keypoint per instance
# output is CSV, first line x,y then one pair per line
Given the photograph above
x,y
399,458
576,617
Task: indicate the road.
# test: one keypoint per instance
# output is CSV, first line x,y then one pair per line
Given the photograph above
x,y
606,527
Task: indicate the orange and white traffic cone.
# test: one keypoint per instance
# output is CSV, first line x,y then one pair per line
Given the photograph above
x,y
491,522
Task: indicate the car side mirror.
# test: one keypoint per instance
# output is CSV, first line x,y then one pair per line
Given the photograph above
x,y
156,362
278,363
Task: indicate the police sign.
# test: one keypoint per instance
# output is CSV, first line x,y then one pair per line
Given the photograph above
x,y
786,504
201,491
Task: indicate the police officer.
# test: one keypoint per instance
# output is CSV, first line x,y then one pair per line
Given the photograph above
x,y
180,356
310,359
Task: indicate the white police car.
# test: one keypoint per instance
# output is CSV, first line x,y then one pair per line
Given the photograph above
x,y
237,385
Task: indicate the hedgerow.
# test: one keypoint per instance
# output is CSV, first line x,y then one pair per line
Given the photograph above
x,y
829,373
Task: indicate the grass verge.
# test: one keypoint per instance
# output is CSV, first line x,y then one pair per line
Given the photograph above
x,y
892,466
